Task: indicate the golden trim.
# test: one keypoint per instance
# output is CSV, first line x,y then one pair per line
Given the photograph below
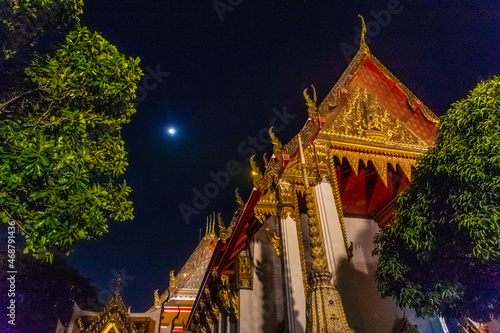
x,y
373,148
109,327
338,203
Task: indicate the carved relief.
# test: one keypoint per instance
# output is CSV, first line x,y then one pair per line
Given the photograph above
x,y
363,117
267,205
320,157
286,199
244,272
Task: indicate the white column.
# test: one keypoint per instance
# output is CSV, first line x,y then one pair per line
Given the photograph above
x,y
247,318
251,301
443,325
220,323
294,286
330,227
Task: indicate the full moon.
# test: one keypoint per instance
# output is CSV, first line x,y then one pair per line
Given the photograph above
x,y
171,131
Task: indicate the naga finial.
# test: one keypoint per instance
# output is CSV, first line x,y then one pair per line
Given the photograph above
x,y
173,280
239,201
157,297
266,161
311,104
256,174
224,232
362,43
277,146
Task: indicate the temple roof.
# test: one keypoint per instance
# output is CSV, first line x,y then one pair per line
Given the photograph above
x,y
114,318
191,274
367,71
176,301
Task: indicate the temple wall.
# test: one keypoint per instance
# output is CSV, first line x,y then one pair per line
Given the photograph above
x,y
262,308
365,309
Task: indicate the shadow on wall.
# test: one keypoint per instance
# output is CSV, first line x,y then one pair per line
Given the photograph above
x,y
365,310
268,279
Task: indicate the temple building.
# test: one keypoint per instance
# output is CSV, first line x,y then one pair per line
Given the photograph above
x,y
296,256
115,317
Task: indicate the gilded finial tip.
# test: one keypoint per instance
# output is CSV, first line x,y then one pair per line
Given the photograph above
x,y
362,43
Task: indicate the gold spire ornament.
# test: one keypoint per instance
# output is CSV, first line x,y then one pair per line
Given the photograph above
x,y
362,43
311,104
210,228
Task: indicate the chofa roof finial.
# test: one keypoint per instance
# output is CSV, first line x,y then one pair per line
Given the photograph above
x,y
362,43
311,103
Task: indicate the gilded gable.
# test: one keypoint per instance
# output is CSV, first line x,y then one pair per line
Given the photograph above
x,y
362,117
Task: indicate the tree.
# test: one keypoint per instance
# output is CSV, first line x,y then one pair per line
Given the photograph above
x,y
61,152
442,254
44,294
23,24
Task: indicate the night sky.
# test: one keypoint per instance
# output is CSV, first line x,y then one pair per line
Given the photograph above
x,y
229,74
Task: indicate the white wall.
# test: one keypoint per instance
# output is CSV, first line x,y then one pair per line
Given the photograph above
x,y
262,308
365,309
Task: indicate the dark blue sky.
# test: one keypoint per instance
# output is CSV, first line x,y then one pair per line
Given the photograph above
x,y
225,78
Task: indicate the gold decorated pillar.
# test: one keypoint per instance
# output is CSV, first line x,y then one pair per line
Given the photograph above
x,y
324,310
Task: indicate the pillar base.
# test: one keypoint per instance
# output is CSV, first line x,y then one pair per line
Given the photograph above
x,y
325,313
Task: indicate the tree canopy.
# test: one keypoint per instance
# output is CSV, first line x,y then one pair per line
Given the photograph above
x,y
442,254
61,151
26,23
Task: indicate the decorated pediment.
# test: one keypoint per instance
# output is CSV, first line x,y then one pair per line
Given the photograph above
x,y
114,318
363,118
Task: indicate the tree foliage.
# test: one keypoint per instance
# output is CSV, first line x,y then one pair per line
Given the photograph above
x,y
23,24
44,294
61,152
442,255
